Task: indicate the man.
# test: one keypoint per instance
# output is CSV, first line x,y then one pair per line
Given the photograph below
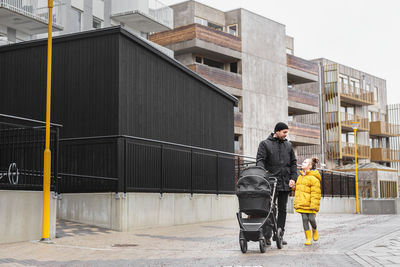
x,y
276,155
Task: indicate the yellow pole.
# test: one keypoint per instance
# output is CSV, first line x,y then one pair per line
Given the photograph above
x,y
355,140
47,152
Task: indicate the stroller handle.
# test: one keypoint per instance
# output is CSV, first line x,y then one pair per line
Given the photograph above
x,y
273,179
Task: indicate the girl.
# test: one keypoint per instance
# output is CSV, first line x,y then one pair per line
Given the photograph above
x,y
307,197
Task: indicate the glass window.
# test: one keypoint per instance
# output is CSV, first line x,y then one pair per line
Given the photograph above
x,y
350,137
368,87
215,26
199,60
97,23
232,29
200,21
236,143
376,94
213,63
233,66
76,20
344,138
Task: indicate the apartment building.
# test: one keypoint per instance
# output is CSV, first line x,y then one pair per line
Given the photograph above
x,y
250,57
22,20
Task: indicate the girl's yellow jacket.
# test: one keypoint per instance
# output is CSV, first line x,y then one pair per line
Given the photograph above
x,y
308,192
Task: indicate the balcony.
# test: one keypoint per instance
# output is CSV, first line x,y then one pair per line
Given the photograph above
x,y
347,119
218,76
301,70
29,16
143,15
385,155
302,134
384,129
203,40
301,103
348,151
352,95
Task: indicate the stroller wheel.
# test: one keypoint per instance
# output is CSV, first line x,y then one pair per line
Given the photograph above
x,y
262,245
279,235
243,245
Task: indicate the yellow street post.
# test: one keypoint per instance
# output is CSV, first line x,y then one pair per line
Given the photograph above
x,y
355,126
47,152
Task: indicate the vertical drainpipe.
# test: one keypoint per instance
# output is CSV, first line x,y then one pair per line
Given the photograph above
x,y
321,116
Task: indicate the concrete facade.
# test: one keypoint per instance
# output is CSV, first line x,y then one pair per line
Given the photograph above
x,y
21,216
264,75
142,210
331,205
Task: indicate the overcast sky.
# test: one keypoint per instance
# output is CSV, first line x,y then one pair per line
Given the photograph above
x,y
363,34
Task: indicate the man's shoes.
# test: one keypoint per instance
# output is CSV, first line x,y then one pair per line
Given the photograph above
x,y
284,242
268,242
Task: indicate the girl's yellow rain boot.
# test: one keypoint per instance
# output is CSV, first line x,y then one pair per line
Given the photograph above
x,y
308,236
315,235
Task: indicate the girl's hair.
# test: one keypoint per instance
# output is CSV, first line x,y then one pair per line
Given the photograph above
x,y
314,162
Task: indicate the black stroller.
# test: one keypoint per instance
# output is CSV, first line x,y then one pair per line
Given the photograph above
x,y
256,194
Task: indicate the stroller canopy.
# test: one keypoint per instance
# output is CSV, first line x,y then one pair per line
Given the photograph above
x,y
253,179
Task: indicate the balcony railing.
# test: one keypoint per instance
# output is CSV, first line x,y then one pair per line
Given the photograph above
x,y
385,155
347,119
301,64
126,10
348,150
196,31
218,76
354,95
384,129
34,9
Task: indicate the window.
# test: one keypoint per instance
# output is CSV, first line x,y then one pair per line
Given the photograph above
x,y
350,138
213,63
237,147
199,60
355,84
368,87
215,26
97,23
289,51
234,67
76,20
238,106
200,21
233,29
376,94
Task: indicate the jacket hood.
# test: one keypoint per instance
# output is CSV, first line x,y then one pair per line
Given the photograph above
x,y
272,138
314,173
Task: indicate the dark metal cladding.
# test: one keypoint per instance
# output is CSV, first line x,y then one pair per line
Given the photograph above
x,y
110,83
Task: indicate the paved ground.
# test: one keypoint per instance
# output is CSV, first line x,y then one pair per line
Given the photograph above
x,y
345,240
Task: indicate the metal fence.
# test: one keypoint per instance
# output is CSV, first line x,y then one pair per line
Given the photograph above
x,y
132,164
337,184
21,153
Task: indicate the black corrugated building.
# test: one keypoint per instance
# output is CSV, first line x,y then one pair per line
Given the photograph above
x,y
111,83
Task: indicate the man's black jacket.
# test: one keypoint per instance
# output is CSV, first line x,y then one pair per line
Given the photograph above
x,y
277,157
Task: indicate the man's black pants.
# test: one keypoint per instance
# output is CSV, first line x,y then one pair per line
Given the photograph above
x,y
282,199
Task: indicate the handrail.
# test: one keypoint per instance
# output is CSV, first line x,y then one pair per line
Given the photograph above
x,y
29,120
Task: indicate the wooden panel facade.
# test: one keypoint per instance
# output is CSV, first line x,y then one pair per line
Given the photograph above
x,y
197,31
303,97
218,76
301,64
384,129
305,130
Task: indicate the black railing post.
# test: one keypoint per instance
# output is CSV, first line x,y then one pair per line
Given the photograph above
x,y
161,170
348,186
191,172
217,174
125,165
340,184
238,167
56,156
322,184
332,184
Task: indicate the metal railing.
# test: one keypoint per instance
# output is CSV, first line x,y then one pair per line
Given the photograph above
x,y
337,184
21,153
348,150
33,8
134,164
152,8
356,93
348,118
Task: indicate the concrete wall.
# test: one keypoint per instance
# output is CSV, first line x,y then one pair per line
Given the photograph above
x,y
380,206
264,75
140,210
21,216
331,205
